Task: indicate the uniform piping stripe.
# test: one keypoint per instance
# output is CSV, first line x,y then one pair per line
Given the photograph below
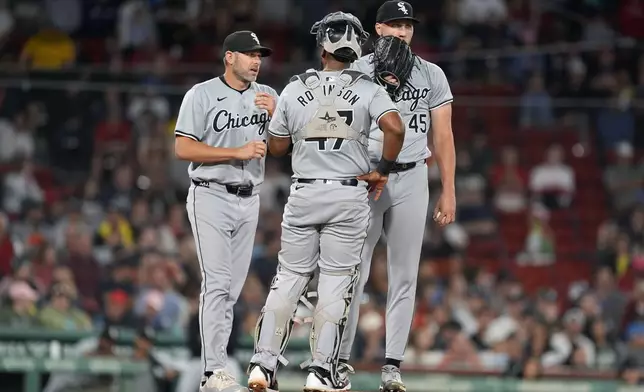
x,y
442,104
184,134
277,134
385,112
203,276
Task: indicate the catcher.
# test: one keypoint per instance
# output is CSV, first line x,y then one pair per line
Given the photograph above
x,y
423,97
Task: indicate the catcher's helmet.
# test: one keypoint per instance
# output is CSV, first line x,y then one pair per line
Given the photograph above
x,y
340,34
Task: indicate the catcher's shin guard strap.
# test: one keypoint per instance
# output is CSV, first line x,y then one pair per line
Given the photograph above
x,y
276,321
335,293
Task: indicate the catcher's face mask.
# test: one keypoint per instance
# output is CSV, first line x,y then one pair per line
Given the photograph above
x,y
393,62
341,34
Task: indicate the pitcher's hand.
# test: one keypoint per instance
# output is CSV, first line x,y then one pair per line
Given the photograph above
x,y
265,101
445,211
251,150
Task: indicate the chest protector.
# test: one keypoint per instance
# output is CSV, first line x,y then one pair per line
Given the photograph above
x,y
327,123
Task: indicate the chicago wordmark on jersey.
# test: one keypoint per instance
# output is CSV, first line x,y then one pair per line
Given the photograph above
x,y
218,115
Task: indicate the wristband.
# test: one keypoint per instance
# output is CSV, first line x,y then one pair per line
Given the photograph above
x,y
385,167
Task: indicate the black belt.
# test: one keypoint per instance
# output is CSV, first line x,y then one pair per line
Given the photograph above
x,y
401,167
351,182
245,190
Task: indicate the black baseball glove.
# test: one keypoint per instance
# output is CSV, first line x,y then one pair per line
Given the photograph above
x,y
393,60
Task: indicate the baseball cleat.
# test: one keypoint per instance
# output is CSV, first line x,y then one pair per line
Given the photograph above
x,y
319,380
391,381
261,380
221,381
344,369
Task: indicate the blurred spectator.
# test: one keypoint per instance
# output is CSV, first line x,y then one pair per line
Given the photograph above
x,y
21,312
616,122
136,25
634,362
43,265
7,252
553,181
49,49
33,229
570,347
510,182
103,346
547,308
112,140
536,105
608,353
162,308
115,230
481,11
597,30
631,18
481,154
61,313
149,103
473,211
624,178
634,311
21,186
87,271
65,15
635,226
16,139
540,243
503,327
606,238
74,219
118,310
7,21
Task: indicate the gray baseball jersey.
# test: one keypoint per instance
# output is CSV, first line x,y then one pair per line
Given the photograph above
x,y
359,105
327,115
223,221
218,115
427,90
400,213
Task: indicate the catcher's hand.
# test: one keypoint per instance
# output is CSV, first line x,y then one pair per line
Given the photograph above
x,y
393,62
376,182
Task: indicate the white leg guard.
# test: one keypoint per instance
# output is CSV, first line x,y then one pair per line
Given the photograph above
x,y
335,293
274,324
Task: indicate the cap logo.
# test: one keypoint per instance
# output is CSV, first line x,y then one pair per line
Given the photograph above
x,y
254,37
401,7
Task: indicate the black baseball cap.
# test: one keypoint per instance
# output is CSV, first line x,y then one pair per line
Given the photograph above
x,y
395,10
245,41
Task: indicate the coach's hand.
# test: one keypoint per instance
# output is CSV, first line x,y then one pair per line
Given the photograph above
x,y
376,182
265,101
252,150
445,211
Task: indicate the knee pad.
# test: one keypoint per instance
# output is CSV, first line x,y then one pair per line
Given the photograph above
x,y
275,322
335,293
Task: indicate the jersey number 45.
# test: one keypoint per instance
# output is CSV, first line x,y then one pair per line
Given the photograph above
x,y
332,144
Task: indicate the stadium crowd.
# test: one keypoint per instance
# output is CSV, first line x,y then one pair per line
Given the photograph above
x,y
94,232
